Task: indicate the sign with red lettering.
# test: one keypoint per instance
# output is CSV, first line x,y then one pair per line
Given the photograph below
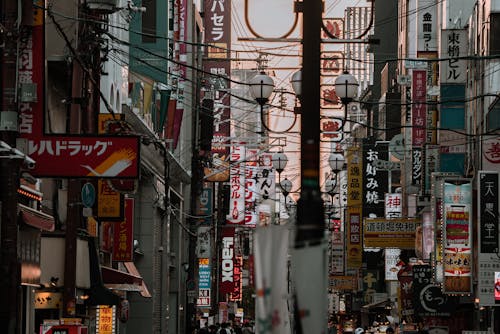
x,y
123,241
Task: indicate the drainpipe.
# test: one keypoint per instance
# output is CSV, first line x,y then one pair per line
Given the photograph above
x,y
165,245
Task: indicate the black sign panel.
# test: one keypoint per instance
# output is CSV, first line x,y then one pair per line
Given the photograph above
x,y
488,212
428,299
375,180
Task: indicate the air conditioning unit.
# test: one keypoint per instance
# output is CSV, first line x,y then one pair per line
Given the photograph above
x,y
103,6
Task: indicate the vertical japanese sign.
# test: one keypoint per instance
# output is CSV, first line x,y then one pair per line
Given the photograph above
x,y
106,319
251,187
489,263
337,248
416,165
217,22
237,185
109,202
418,123
419,107
453,46
427,27
237,293
393,205
457,236
123,241
354,207
375,180
227,261
488,212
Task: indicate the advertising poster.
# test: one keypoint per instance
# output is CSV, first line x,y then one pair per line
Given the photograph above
x,y
457,236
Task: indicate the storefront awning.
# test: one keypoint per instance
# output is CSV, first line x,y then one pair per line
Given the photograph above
x,y
130,280
36,218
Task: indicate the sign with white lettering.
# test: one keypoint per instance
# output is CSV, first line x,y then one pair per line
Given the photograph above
x,y
227,261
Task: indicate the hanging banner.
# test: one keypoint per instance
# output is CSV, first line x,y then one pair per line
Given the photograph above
x,y
271,279
457,236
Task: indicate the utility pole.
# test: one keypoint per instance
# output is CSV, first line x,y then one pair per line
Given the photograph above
x,y
10,270
310,218
310,211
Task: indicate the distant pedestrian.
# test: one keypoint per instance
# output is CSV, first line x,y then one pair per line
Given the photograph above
x,y
204,329
247,328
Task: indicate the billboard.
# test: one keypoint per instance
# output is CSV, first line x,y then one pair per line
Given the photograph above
x,y
457,236
68,156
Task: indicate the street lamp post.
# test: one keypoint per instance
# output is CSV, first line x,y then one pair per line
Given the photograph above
x,y
261,88
279,160
346,88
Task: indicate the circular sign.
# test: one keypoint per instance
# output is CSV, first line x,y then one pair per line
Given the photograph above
x,y
88,195
396,147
